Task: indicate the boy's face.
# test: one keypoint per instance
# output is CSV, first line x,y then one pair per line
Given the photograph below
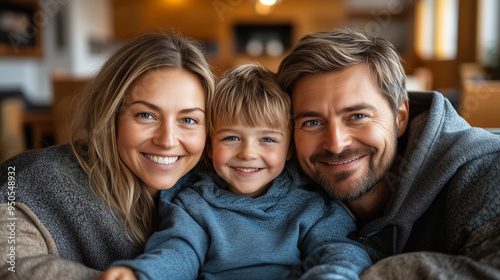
x,y
249,158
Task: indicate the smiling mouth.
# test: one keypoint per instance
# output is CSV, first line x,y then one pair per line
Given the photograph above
x,y
246,170
162,160
344,162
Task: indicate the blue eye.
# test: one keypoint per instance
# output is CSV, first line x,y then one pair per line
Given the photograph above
x,y
145,116
267,140
358,116
231,138
189,121
311,123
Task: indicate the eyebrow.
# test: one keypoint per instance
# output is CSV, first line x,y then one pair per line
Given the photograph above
x,y
360,106
303,115
147,104
156,108
357,107
268,131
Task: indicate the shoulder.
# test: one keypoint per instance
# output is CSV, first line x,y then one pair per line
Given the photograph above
x,y
476,183
307,196
472,197
298,184
46,165
49,171
51,158
194,183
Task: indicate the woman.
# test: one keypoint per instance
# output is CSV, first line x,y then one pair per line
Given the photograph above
x,y
67,212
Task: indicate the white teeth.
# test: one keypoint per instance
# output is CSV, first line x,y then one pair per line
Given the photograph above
x,y
339,163
162,160
246,169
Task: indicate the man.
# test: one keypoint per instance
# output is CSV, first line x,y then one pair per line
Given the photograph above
x,y
423,185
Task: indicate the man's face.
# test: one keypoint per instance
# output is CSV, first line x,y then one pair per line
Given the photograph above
x,y
345,131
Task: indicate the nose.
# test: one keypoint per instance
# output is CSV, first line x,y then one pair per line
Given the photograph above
x,y
166,135
247,151
337,138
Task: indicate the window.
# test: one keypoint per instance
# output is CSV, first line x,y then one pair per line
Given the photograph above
x,y
488,31
437,29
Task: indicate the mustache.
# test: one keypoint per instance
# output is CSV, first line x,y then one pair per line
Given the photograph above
x,y
347,154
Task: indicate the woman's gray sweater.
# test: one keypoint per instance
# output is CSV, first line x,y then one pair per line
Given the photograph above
x,y
55,207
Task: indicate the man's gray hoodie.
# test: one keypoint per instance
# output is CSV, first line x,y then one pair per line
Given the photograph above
x,y
446,200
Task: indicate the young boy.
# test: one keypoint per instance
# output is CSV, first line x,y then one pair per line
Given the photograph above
x,y
255,218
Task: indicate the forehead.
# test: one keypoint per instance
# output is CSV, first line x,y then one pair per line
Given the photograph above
x,y
339,89
280,124
177,86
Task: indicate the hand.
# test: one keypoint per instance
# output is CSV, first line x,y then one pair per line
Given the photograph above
x,y
118,273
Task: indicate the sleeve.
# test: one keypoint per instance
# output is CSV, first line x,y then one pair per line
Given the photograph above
x,y
27,250
176,251
329,254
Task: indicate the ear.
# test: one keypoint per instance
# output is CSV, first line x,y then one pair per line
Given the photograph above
x,y
402,118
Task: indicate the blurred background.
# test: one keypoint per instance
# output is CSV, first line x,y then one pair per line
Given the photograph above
x,y
49,49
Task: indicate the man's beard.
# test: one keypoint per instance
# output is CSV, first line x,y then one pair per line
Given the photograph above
x,y
366,184
329,181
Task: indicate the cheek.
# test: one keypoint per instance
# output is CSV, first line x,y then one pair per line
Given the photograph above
x,y
280,154
372,137
124,137
277,159
129,135
221,156
194,142
380,136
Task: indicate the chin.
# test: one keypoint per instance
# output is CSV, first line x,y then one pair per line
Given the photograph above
x,y
342,195
344,187
159,186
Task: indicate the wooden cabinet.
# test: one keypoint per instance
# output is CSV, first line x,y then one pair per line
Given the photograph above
x,y
480,97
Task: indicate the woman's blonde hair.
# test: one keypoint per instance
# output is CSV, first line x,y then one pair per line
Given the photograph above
x,y
249,94
93,130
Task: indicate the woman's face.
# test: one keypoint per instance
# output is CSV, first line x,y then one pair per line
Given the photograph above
x,y
161,127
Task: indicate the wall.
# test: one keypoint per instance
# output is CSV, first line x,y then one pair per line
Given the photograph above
x,y
23,74
393,20
91,20
305,16
212,21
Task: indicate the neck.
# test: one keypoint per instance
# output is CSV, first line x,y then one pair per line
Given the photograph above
x,y
373,204
155,194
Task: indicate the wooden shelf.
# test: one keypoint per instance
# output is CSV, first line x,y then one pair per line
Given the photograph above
x,y
216,21
22,35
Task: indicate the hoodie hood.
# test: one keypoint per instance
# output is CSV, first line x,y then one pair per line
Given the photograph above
x,y
436,144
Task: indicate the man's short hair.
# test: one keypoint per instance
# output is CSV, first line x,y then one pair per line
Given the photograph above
x,y
337,50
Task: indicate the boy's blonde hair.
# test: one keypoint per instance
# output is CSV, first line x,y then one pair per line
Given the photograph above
x,y
250,95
